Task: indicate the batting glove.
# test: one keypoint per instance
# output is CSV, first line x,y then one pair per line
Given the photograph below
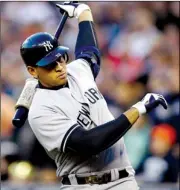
x,y
72,9
149,102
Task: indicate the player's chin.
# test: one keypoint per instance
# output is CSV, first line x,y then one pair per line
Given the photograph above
x,y
62,81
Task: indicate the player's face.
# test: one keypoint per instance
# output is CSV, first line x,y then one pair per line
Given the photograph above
x,y
52,75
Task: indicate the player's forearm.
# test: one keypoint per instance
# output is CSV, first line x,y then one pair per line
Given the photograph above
x,y
132,115
103,136
85,16
86,36
86,44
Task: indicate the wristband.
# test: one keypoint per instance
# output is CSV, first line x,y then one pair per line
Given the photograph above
x,y
80,9
140,107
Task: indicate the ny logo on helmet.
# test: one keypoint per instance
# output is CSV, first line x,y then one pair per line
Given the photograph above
x,y
48,46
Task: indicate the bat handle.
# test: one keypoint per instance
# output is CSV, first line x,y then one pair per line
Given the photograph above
x,y
61,25
62,22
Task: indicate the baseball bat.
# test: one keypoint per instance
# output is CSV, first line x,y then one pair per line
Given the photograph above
x,y
62,22
21,113
61,25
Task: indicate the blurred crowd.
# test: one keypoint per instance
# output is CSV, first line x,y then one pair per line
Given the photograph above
x,y
139,43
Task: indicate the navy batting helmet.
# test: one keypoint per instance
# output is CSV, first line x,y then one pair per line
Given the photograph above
x,y
41,49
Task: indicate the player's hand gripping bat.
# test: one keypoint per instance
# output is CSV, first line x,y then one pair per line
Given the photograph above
x,y
26,97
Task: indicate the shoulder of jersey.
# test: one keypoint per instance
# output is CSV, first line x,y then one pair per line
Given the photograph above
x,y
40,98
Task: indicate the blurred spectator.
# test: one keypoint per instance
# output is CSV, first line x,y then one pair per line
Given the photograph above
x,y
164,79
4,169
161,165
7,112
166,13
137,142
133,44
9,154
45,12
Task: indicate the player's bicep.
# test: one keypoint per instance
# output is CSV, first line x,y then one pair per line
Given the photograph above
x,y
52,129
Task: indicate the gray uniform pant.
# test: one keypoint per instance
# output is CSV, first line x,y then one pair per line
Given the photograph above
x,y
128,183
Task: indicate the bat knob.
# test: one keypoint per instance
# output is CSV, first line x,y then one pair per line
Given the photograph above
x,y
20,116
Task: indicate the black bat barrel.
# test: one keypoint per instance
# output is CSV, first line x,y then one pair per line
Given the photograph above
x,y
20,116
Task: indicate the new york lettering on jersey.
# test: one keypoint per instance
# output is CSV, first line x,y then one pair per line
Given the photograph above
x,y
84,119
84,116
93,95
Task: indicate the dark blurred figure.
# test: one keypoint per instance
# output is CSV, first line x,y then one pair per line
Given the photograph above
x,y
9,154
166,13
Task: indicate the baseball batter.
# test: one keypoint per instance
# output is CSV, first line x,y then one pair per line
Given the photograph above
x,y
70,117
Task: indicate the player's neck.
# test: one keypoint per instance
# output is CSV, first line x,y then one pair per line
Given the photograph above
x,y
53,88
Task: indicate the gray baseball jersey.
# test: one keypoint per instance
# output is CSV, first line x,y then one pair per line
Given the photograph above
x,y
54,114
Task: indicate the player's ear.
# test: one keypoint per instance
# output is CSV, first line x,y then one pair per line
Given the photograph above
x,y
32,71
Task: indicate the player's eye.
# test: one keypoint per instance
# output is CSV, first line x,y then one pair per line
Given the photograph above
x,y
66,57
51,66
54,64
61,59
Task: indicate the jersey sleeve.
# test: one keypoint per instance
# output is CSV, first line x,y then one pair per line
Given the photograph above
x,y
52,129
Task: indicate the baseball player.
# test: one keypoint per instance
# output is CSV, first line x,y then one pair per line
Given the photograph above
x,y
70,117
